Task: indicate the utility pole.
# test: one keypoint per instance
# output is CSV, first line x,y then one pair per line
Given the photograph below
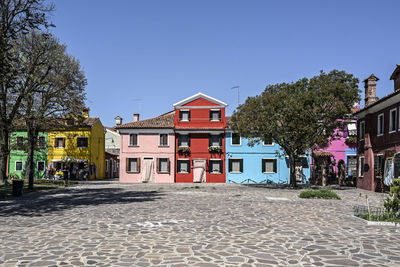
x,y
238,89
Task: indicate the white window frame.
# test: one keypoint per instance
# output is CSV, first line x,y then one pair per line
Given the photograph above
x,y
240,140
22,166
137,140
65,142
359,166
45,141
216,110
37,166
159,167
239,163
222,166
378,124
274,159
181,142
362,133
159,140
179,168
392,128
272,144
82,146
184,110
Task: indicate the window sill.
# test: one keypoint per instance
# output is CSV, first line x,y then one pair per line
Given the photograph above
x,y
163,146
269,172
392,131
82,147
215,120
236,172
183,172
133,146
163,172
215,172
184,120
132,172
236,145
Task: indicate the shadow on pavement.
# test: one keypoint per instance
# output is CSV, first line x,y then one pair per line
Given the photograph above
x,y
54,201
299,187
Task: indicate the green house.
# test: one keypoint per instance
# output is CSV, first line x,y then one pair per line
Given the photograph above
x,y
19,155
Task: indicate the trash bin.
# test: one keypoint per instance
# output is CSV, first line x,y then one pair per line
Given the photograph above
x,y
17,187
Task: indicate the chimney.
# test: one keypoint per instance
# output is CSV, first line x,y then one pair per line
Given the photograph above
x,y
370,89
118,120
396,77
135,117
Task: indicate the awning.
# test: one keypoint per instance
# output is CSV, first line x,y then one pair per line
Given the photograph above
x,y
322,154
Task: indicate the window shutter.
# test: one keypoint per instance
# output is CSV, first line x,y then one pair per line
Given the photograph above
x,y
55,142
178,166
263,165
158,165
210,115
180,115
220,140
241,165
189,115
209,166
219,115
63,142
230,165
188,140
188,166
275,165
221,164
168,166
127,166
138,165
209,140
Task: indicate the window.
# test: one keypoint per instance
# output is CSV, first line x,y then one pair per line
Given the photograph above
x,y
133,165
215,166
184,115
236,165
362,130
106,165
235,141
18,166
304,162
380,125
133,140
183,166
42,141
268,141
361,167
20,141
215,140
183,140
163,139
58,166
163,165
40,166
215,115
59,142
269,165
82,142
393,119
378,166
352,129
352,165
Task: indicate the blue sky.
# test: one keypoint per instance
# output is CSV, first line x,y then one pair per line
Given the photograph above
x,y
163,51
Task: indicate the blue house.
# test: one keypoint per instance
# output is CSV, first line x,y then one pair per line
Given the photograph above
x,y
262,163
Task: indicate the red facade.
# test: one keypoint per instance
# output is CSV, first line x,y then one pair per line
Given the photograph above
x,y
200,140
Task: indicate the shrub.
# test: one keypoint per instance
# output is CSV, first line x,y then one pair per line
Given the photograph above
x,y
324,193
392,202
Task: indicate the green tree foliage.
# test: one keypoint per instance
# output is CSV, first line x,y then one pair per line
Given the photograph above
x,y
298,115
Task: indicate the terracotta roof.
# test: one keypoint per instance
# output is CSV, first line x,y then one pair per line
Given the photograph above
x,y
90,121
378,101
395,72
111,128
163,121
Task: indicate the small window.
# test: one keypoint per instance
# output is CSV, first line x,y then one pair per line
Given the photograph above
x,y
163,165
133,165
40,166
235,141
82,142
163,139
236,165
380,125
215,115
269,165
184,115
106,165
42,141
215,140
393,119
133,139
183,166
378,166
352,129
215,166
183,140
361,167
362,130
20,141
268,141
18,166
59,142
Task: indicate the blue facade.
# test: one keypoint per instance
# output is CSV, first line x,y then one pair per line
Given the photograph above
x,y
251,160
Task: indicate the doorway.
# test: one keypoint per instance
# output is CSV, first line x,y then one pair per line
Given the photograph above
x,y
148,170
199,171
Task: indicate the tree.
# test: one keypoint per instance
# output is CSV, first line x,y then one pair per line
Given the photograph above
x,y
298,115
58,84
17,17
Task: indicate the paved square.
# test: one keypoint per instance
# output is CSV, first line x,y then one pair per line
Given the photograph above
x,y
111,224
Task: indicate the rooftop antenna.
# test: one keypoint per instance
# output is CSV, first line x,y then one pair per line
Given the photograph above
x,y
238,88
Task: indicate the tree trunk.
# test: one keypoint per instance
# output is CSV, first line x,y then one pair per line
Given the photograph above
x,y
292,166
5,153
324,173
30,166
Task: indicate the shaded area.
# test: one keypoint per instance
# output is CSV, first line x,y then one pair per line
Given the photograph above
x,y
56,201
299,187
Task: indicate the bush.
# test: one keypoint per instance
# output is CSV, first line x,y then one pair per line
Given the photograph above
x,y
392,203
324,193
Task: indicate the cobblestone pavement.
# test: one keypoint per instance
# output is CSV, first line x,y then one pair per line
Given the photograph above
x,y
111,224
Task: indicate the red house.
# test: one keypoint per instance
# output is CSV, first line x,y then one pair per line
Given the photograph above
x,y
200,139
379,136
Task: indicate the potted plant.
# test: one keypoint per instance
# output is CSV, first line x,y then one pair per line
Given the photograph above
x,y
351,140
215,149
184,150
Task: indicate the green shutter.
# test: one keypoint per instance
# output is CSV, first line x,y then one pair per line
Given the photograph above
x,y
263,165
230,165
241,165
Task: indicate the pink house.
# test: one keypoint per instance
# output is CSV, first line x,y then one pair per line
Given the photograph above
x,y
147,153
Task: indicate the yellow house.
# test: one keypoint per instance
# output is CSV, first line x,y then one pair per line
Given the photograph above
x,y
78,147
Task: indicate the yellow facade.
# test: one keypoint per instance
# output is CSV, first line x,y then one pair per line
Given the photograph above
x,y
92,156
